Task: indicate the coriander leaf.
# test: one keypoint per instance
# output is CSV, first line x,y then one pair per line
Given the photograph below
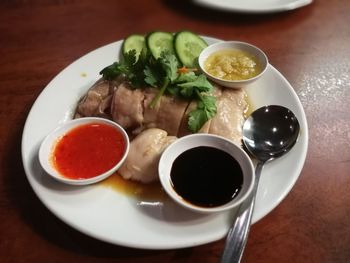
x,y
200,83
173,90
136,74
208,104
187,92
112,71
144,55
196,120
186,77
190,83
169,64
124,67
151,77
136,80
130,58
206,109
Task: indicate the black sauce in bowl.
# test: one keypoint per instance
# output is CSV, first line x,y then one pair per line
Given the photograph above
x,y
206,176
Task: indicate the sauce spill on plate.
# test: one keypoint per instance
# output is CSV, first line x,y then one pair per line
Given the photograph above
x,y
142,192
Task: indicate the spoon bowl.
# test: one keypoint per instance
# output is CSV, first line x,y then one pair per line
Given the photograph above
x,y
268,133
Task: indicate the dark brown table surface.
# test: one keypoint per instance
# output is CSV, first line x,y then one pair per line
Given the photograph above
x,y
309,46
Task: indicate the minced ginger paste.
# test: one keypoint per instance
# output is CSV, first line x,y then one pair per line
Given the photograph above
x,y
232,64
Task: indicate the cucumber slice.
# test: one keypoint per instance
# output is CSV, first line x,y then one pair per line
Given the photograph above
x,y
136,42
188,46
158,41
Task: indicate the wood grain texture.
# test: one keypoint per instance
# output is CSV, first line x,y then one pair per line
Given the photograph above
x,y
309,46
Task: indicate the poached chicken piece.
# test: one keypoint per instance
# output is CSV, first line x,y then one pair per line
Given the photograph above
x,y
229,118
166,115
97,101
130,108
127,106
144,154
155,128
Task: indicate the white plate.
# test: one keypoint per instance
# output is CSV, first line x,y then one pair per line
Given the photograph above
x,y
121,219
254,6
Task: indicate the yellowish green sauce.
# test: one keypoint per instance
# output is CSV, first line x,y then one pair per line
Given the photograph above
x,y
232,64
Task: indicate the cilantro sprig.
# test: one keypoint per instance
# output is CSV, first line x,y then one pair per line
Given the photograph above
x,y
164,74
130,67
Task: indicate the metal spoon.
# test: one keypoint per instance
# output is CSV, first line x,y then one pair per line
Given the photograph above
x,y
268,133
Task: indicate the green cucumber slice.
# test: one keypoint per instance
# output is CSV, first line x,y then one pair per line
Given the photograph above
x,y
158,41
136,42
188,46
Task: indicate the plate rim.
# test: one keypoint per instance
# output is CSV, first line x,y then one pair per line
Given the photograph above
x,y
232,7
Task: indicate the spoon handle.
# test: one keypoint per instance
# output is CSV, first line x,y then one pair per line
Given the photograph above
x,y
238,233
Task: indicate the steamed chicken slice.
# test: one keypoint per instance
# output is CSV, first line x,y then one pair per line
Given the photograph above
x,y
166,115
131,109
127,106
97,101
229,118
144,154
150,114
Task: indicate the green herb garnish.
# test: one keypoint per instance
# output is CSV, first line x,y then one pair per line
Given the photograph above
x,y
164,74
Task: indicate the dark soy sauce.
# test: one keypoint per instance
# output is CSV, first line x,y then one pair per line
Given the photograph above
x,y
206,176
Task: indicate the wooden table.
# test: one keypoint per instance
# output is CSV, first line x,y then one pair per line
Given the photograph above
x,y
309,46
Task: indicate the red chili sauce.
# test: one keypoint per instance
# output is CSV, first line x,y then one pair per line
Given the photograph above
x,y
88,150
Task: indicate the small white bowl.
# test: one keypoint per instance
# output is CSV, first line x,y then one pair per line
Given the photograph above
x,y
200,139
233,45
47,146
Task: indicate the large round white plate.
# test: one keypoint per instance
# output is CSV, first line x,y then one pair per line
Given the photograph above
x,y
121,219
254,6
